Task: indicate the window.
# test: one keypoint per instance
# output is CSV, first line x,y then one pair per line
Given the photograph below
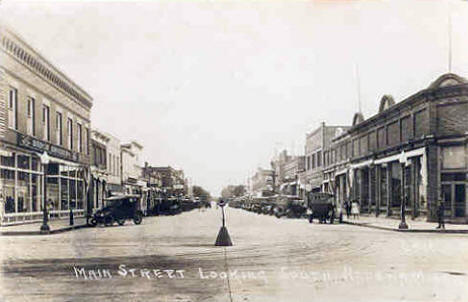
x,y
86,140
13,108
70,133
31,118
319,158
46,122
80,138
58,128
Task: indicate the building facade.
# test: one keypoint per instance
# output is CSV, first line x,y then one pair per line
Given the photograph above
x,y
262,182
414,151
41,111
114,179
317,142
98,169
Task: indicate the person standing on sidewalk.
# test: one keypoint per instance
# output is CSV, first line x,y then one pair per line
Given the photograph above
x,y
346,206
440,214
355,209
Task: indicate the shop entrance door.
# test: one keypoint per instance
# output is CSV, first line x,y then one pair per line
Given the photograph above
x,y
460,200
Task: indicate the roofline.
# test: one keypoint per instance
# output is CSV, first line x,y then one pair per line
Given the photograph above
x,y
406,101
8,29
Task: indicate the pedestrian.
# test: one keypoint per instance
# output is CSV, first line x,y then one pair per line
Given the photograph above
x,y
347,208
355,209
440,214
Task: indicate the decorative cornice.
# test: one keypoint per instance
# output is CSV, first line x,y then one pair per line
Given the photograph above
x,y
15,46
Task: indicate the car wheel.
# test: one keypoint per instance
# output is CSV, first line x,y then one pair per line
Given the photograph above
x,y
137,219
121,221
93,222
108,220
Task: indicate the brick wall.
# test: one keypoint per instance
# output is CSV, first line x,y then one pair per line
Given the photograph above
x,y
452,118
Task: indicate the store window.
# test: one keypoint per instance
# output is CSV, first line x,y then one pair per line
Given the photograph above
x,y
395,175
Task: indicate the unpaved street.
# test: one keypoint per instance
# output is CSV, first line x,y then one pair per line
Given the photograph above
x,y
173,259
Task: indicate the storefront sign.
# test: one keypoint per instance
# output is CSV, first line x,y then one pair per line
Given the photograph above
x,y
41,146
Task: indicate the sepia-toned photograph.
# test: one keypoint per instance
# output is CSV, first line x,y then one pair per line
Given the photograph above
x,y
234,150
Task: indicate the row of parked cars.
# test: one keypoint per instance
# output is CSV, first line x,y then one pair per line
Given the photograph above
x,y
320,206
120,208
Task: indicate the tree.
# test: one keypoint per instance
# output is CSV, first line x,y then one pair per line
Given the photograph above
x,y
201,193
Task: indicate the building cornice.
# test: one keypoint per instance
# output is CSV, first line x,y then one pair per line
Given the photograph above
x,y
12,44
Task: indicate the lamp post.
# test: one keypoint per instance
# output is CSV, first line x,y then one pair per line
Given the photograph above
x,y
403,161
45,229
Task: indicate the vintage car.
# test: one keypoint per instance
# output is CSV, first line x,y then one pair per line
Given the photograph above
x,y
118,209
322,207
290,206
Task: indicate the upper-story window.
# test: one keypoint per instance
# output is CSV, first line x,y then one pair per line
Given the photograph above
x,y
80,137
70,133
46,122
13,108
58,128
86,140
319,159
31,117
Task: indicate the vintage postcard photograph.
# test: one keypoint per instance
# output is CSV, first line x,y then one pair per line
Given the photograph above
x,y
234,150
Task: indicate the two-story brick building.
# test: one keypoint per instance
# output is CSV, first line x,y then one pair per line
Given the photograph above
x,y
41,110
415,150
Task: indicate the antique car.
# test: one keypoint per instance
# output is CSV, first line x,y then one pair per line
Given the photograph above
x,y
290,206
322,206
119,209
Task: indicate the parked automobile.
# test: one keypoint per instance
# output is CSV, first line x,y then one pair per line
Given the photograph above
x,y
322,207
119,209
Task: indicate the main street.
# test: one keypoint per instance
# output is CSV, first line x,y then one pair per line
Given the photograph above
x,y
172,258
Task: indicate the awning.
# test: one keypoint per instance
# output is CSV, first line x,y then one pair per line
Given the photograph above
x,y
363,164
60,161
344,171
396,157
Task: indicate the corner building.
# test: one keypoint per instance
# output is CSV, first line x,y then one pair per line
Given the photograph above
x,y
41,110
415,150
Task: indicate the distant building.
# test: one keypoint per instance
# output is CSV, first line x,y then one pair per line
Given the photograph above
x,y
131,166
98,168
317,142
263,182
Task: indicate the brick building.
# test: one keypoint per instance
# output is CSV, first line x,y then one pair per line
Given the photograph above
x,y
415,150
316,143
41,111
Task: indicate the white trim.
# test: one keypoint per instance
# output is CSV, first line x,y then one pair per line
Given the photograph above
x,y
45,102
341,172
61,161
396,157
363,164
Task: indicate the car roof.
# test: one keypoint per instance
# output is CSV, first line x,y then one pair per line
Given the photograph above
x,y
119,197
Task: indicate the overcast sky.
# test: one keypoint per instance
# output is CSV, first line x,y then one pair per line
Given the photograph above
x,y
214,87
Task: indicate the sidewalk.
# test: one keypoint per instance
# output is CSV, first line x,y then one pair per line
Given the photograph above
x,y
56,226
415,226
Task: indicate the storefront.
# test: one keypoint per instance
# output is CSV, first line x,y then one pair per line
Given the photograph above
x,y
22,182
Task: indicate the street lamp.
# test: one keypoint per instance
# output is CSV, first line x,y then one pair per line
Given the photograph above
x,y
403,162
45,229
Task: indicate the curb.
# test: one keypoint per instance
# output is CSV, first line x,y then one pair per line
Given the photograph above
x,y
56,231
408,230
